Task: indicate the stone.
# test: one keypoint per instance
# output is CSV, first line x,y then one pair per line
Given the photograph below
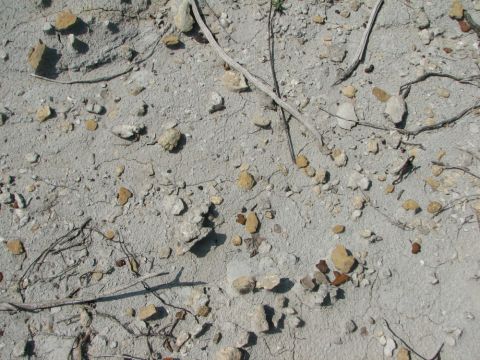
x,y
252,223
350,326
171,40
309,171
43,113
164,252
173,204
338,229
396,109
358,202
259,320
65,20
411,205
216,102
403,354
389,189
228,353
244,284
341,260
36,55
32,157
109,234
321,176
372,146
245,180
234,81
336,53
339,157
349,91
236,240
182,18
119,170
127,131
123,195
456,10
380,94
48,28
15,247
346,112
308,283
389,347
261,121
169,139
318,19
147,312
301,161
216,200
434,207
422,19
268,282
426,36
95,108
437,170
91,125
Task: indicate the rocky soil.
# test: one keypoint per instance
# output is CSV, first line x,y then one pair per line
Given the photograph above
x,y
150,207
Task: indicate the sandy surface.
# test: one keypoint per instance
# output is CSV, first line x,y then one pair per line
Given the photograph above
x,y
61,180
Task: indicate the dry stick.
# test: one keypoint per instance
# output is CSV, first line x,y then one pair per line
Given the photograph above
x,y
15,306
271,52
363,44
471,80
259,84
461,168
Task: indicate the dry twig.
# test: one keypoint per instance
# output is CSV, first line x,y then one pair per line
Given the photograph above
x,y
451,167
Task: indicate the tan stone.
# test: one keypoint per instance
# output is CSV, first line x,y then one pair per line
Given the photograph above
x,y
91,125
318,19
456,10
15,247
171,40
123,195
43,113
110,234
403,354
338,229
65,20
234,81
252,223
147,312
229,353
389,189
349,91
372,146
411,204
434,207
216,200
244,284
245,180
236,240
433,183
36,54
309,171
437,170
301,161
203,311
380,94
341,260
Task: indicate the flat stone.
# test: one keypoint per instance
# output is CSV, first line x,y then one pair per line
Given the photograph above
x,y
339,157
169,139
234,81
91,125
395,109
349,91
346,111
261,121
403,354
127,131
244,284
182,18
259,320
301,161
252,223
268,282
245,180
456,10
444,93
171,40
36,55
43,113
338,229
123,195
434,207
173,204
15,247
216,200
341,260
65,20
147,312
164,252
411,204
380,94
228,353
318,19
216,102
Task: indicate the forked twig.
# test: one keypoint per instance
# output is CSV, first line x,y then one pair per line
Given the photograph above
x,y
254,80
363,44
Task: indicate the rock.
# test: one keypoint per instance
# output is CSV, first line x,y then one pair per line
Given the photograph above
x,y
341,260
358,202
48,28
182,18
349,91
236,240
309,171
339,157
32,157
244,284
234,81
456,10
403,354
336,53
91,125
259,320
434,207
228,353
350,326
261,121
380,94
294,322
73,42
245,180
123,195
301,161
65,20
216,200
109,234
426,36
416,248
252,223
318,19
36,55
171,40
338,229
127,131
321,176
216,102
346,111
437,170
119,170
308,283
268,282
173,204
43,113
169,139
164,252
444,93
95,108
395,109
372,146
243,338
389,347
411,204
422,19
147,312
15,247
389,189
191,230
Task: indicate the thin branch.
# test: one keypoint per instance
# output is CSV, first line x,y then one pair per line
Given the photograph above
x,y
254,80
461,168
473,80
15,306
363,44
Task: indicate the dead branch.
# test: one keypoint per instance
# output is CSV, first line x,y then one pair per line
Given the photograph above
x,y
16,306
363,44
255,81
451,167
473,80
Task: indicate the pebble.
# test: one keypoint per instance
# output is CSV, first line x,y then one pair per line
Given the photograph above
x,y
164,252
416,248
36,55
95,108
456,10
434,207
216,102
245,180
294,322
350,326
244,284
268,282
338,229
171,40
48,28
403,354
349,91
216,200
337,53
437,170
182,18
91,125
307,282
236,240
259,320
15,247
32,157
127,131
358,202
243,339
444,93
318,19
395,109
422,19
65,20
309,171
43,113
234,81
261,121
389,347
252,223
169,139
173,204
110,234
380,94
229,353
321,176
147,312
301,161
372,146
123,195
426,36
339,157
346,111
389,189
341,260
411,204
119,170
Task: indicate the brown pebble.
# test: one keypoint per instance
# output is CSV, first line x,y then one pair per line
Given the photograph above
x,y
380,94
323,267
340,278
411,204
301,161
447,50
91,125
171,40
416,247
36,55
65,20
15,247
434,207
389,189
245,180
241,219
203,311
109,234
120,262
252,223
338,229
147,312
123,195
464,26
